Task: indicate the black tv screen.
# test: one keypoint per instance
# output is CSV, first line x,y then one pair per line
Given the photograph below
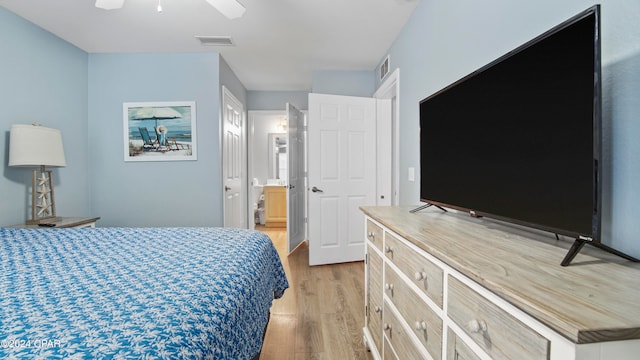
x,y
519,139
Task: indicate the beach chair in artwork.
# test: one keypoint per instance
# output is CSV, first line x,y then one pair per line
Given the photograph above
x,y
175,145
146,138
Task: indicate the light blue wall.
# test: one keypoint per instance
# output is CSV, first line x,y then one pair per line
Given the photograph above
x,y
276,100
335,82
172,193
446,40
344,82
43,79
229,79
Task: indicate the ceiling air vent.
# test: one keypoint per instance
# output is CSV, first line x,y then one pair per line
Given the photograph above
x,y
384,68
215,40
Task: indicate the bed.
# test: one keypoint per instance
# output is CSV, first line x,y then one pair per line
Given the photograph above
x,y
151,293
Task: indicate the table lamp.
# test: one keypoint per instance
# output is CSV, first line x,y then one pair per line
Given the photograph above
x,y
39,146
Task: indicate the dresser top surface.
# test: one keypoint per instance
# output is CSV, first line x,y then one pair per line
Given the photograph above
x,y
594,299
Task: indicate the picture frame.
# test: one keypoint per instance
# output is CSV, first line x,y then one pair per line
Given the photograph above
x,y
159,131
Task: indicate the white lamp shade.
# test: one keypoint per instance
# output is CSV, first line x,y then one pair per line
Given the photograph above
x,y
32,145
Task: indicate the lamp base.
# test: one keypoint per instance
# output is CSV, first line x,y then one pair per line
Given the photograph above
x,y
43,204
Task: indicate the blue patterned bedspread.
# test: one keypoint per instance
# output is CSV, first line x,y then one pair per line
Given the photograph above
x,y
125,293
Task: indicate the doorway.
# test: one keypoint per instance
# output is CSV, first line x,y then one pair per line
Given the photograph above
x,y
386,153
277,172
264,130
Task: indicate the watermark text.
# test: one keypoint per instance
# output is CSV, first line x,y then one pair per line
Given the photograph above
x,y
29,343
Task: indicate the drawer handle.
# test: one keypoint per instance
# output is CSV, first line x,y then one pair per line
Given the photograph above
x,y
378,309
420,275
476,326
387,327
388,249
420,325
371,235
389,287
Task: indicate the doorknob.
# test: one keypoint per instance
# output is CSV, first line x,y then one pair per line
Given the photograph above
x,y
315,189
227,188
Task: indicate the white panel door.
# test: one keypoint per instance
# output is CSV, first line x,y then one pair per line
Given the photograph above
x,y
233,160
295,195
342,175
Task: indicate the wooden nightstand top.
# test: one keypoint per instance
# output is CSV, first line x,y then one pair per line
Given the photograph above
x,y
64,222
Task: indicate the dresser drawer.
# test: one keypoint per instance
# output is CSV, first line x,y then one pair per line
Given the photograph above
x,y
374,234
397,336
422,272
417,314
388,351
374,319
457,349
375,326
497,332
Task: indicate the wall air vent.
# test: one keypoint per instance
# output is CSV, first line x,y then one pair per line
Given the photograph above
x,y
215,40
384,68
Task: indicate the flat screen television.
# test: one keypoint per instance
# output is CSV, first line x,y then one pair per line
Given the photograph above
x,y
519,139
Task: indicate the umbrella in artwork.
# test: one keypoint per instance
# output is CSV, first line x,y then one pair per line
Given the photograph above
x,y
155,113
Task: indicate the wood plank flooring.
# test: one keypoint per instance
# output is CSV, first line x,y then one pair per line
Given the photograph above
x,y
321,315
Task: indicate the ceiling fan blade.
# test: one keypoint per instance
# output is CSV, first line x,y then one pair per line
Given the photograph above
x,y
109,4
229,8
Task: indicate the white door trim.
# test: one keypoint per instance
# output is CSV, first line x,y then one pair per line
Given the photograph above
x,y
390,89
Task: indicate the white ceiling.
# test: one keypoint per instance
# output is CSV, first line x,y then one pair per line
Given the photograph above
x,y
278,43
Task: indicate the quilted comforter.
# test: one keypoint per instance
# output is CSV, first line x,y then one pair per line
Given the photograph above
x,y
151,293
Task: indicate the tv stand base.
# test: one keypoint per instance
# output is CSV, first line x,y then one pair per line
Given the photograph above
x,y
426,206
579,243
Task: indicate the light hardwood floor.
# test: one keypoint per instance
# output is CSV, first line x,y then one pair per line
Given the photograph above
x,y
321,315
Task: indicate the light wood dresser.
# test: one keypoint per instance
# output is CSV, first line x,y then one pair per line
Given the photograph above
x,y
447,286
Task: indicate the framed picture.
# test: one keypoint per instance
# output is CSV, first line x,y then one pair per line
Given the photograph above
x,y
159,131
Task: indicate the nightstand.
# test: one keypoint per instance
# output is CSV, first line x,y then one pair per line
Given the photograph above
x,y
64,222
